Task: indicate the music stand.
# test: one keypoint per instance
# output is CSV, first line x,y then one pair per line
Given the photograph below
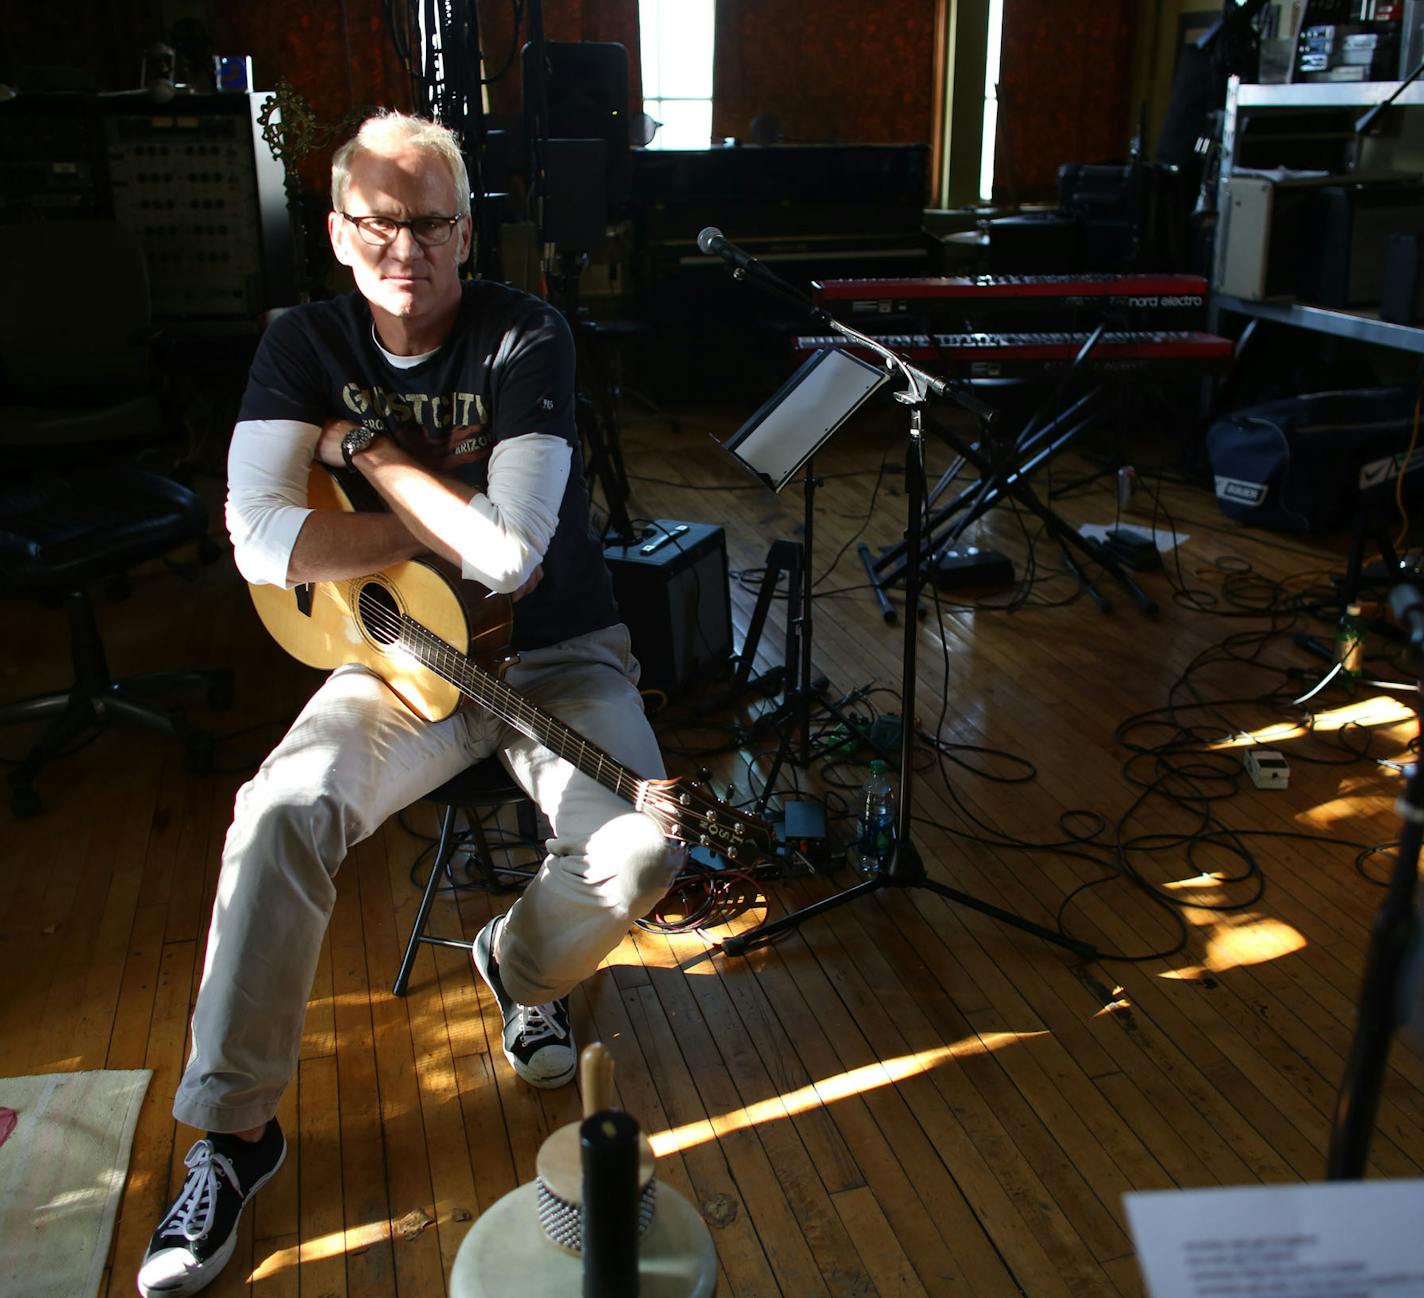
x,y
801,415
906,868
781,438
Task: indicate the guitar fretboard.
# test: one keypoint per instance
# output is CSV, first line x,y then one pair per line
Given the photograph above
x,y
507,704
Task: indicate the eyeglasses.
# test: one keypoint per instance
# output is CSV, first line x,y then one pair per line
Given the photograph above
x,y
428,231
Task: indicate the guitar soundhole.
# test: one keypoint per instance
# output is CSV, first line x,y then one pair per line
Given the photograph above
x,y
380,618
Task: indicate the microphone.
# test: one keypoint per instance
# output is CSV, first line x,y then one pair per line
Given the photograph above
x,y
746,267
712,242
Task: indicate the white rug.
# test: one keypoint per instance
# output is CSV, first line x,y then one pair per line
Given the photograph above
x,y
61,1173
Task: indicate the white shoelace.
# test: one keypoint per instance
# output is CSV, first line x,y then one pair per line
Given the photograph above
x,y
199,1198
540,1022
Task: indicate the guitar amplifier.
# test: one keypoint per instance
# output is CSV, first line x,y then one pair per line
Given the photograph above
x,y
671,587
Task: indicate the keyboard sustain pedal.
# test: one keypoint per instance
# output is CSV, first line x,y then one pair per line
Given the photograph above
x,y
970,566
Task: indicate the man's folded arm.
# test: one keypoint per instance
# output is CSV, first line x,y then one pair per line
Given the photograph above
x,y
278,539
498,536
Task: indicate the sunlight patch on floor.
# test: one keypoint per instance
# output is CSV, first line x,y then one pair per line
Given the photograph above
x,y
1244,939
840,1086
322,1247
1380,710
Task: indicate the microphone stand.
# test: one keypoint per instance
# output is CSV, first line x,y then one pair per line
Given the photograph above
x,y
906,868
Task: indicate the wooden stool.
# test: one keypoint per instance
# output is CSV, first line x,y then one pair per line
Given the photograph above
x,y
481,788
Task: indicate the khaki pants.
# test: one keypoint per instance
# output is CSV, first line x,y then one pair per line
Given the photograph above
x,y
352,758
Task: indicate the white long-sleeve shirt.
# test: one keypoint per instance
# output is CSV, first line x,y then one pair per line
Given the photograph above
x,y
510,523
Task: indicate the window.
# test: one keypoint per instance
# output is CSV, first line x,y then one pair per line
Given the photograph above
x,y
676,46
991,100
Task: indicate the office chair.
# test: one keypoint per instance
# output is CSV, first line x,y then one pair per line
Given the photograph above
x,y
77,391
76,342
62,534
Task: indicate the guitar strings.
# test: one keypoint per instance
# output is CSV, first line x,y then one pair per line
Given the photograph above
x,y
501,699
505,702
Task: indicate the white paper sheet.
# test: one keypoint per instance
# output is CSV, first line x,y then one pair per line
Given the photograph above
x,y
1342,1239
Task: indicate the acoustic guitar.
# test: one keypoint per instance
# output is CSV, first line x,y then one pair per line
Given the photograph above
x,y
438,640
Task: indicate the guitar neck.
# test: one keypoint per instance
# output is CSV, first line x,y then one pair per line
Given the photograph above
x,y
510,707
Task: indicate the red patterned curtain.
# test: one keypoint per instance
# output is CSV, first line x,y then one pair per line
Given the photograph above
x,y
339,57
1063,88
840,70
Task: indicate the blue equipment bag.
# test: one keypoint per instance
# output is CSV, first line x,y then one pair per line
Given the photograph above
x,y
1306,464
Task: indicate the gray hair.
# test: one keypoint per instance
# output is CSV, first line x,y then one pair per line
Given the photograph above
x,y
388,131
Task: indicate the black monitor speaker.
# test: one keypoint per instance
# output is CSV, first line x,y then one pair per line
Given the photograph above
x,y
672,591
1402,295
587,92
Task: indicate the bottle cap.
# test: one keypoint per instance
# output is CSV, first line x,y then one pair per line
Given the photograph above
x,y
877,766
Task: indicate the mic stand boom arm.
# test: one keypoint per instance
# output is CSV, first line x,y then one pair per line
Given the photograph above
x,y
919,385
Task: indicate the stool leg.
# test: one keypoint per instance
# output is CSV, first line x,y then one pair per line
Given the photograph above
x,y
481,855
441,865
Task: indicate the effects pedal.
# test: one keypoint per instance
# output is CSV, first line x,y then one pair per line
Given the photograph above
x,y
802,831
1267,769
970,566
1136,549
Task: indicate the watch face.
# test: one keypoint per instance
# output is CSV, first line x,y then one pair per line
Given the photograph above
x,y
356,441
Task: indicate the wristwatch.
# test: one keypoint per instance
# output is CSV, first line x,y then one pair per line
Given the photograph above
x,y
356,441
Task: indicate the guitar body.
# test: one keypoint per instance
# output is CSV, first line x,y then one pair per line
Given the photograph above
x,y
327,624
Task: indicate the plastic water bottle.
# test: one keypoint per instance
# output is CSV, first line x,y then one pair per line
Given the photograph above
x,y
875,836
1350,641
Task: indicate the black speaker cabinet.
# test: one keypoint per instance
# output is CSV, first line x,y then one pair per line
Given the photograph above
x,y
672,591
587,88
1402,297
1356,223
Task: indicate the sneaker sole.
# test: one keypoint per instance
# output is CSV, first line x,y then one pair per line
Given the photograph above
x,y
544,1083
223,1256
480,955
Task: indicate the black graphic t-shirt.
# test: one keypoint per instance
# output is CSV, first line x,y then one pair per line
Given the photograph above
x,y
505,370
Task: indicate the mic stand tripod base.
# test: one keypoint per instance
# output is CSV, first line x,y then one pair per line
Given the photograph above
x,y
906,870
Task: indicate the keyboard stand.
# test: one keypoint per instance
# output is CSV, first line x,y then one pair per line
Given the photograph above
x,y
1041,438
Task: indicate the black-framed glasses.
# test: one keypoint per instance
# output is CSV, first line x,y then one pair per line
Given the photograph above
x,y
428,231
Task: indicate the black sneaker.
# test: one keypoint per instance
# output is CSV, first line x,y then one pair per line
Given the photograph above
x,y
194,1241
538,1039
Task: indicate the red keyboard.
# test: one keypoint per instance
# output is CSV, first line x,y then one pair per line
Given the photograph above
x,y
1138,290
1009,348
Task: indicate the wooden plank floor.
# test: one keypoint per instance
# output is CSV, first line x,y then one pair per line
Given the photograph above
x,y
903,1097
